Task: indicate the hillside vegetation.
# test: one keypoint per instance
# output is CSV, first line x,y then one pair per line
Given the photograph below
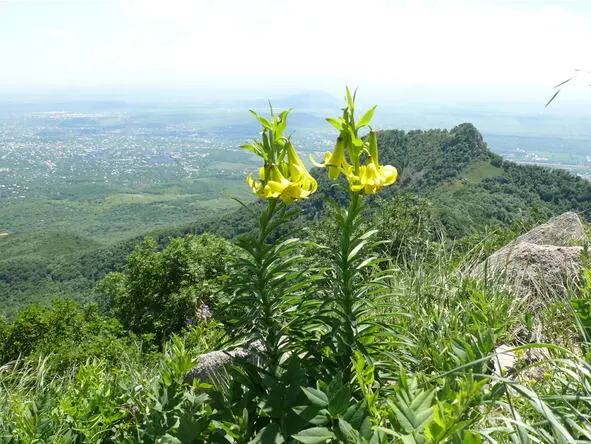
x,y
345,292
468,187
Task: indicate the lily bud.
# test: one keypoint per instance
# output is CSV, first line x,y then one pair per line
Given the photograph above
x,y
335,162
373,146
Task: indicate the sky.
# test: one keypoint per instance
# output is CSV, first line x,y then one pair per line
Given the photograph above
x,y
432,46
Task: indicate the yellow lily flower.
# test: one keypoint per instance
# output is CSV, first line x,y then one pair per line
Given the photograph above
x,y
389,173
298,172
287,190
368,180
275,185
373,176
256,185
335,162
283,176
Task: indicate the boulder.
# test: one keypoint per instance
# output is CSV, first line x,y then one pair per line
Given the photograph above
x,y
536,272
563,231
211,367
543,263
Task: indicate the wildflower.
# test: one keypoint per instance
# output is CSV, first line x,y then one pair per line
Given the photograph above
x,y
204,312
335,162
283,176
275,185
372,176
298,172
349,149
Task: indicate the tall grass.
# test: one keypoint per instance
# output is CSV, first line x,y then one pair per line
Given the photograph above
x,y
430,380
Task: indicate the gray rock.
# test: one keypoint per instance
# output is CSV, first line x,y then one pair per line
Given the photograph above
x,y
541,264
504,360
563,231
537,272
211,367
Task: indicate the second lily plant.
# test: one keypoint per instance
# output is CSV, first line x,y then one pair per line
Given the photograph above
x,y
276,289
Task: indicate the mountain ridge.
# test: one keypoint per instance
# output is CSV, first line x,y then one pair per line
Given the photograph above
x,y
469,188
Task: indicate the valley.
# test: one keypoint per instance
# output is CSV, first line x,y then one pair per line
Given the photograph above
x,y
82,178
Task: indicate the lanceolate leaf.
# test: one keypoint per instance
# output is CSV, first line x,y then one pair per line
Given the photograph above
x,y
269,435
261,120
355,250
412,414
314,435
316,397
337,123
350,99
366,118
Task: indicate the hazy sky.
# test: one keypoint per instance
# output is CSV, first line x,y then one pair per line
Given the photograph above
x,y
304,43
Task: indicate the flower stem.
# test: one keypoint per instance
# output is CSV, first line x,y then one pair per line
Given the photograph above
x,y
345,290
262,258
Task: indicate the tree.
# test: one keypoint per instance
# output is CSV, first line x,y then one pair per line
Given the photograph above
x,y
163,291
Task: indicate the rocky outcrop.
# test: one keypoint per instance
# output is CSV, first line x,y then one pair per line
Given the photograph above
x,y
535,271
540,266
563,231
543,263
211,367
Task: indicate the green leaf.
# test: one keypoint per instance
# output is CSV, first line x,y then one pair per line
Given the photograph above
x,y
282,124
337,123
356,141
169,439
413,439
414,415
422,402
471,438
269,435
314,435
347,432
355,250
316,397
189,427
311,414
537,403
350,99
356,414
377,437
366,118
252,147
367,234
338,398
369,261
264,122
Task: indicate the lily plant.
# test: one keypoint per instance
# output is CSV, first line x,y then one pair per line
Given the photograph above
x,y
274,291
349,149
283,174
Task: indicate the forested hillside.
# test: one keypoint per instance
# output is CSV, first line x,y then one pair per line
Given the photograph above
x,y
351,311
467,187
470,187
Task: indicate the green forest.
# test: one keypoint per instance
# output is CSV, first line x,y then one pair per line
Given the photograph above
x,y
465,187
343,290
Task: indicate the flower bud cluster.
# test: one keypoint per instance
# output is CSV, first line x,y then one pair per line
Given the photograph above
x,y
350,151
283,174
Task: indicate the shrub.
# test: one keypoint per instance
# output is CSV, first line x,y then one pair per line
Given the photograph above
x,y
163,291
